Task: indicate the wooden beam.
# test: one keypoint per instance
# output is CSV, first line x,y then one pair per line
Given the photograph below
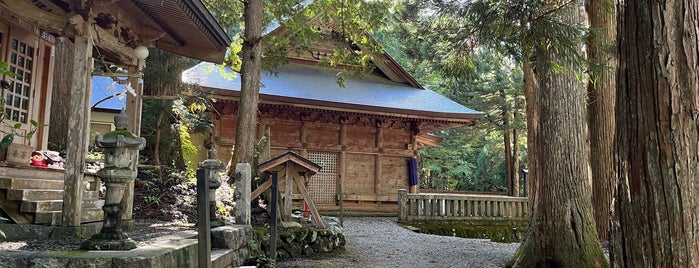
x,y
262,188
27,11
275,164
309,201
78,131
12,209
105,40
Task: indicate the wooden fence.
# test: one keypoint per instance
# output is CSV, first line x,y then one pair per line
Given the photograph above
x,y
435,206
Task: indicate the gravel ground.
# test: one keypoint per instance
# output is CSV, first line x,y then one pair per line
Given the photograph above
x,y
380,242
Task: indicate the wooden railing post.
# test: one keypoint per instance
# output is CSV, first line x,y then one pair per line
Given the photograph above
x,y
402,204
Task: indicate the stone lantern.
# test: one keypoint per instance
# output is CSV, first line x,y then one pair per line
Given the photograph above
x,y
120,148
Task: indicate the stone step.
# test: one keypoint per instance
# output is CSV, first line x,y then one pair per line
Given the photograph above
x,y
55,218
56,205
40,194
10,183
222,258
32,173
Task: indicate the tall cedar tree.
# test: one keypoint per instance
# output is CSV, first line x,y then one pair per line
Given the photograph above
x,y
602,92
561,231
250,82
657,114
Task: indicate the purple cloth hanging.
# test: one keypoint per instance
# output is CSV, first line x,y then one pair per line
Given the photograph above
x,y
413,177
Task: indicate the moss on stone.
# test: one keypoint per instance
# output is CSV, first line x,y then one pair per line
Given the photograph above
x,y
115,133
497,231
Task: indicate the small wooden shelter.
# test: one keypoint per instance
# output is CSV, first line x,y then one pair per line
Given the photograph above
x,y
52,44
295,171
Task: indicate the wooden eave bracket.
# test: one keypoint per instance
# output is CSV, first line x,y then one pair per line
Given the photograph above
x,y
69,25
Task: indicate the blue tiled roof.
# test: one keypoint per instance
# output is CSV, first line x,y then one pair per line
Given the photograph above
x,y
100,85
298,82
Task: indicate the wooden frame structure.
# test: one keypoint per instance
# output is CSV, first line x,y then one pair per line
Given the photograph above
x,y
109,31
295,170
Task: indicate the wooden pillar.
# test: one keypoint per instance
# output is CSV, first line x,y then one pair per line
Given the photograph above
x,y
78,131
413,145
341,165
377,159
134,106
289,172
303,138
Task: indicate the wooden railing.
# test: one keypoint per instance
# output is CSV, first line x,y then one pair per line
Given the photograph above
x,y
434,206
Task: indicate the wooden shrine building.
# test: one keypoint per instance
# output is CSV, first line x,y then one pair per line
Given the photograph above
x,y
362,133
52,45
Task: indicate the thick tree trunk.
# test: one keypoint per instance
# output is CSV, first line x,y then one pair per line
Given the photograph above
x,y
602,94
250,85
657,114
561,232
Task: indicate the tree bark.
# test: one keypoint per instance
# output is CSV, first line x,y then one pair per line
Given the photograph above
x,y
244,149
507,142
530,89
156,144
602,95
657,114
515,159
561,231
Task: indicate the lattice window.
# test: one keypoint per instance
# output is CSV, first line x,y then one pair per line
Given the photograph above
x,y
322,186
17,97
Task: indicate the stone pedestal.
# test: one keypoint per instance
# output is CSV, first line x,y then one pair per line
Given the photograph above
x,y
212,166
243,174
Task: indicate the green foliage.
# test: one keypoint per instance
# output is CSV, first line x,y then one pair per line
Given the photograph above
x,y
347,20
159,125
472,158
170,199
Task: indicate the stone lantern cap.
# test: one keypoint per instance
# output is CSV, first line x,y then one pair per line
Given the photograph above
x,y
121,137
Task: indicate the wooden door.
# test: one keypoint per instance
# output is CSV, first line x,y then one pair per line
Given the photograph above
x,y
22,51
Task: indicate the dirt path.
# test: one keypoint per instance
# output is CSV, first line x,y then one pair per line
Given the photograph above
x,y
380,242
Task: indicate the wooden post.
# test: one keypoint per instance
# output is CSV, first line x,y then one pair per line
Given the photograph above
x,y
377,174
203,223
78,131
273,219
341,169
134,105
288,192
377,159
309,201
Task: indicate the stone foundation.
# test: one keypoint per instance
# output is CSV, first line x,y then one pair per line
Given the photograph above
x,y
177,250
294,242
